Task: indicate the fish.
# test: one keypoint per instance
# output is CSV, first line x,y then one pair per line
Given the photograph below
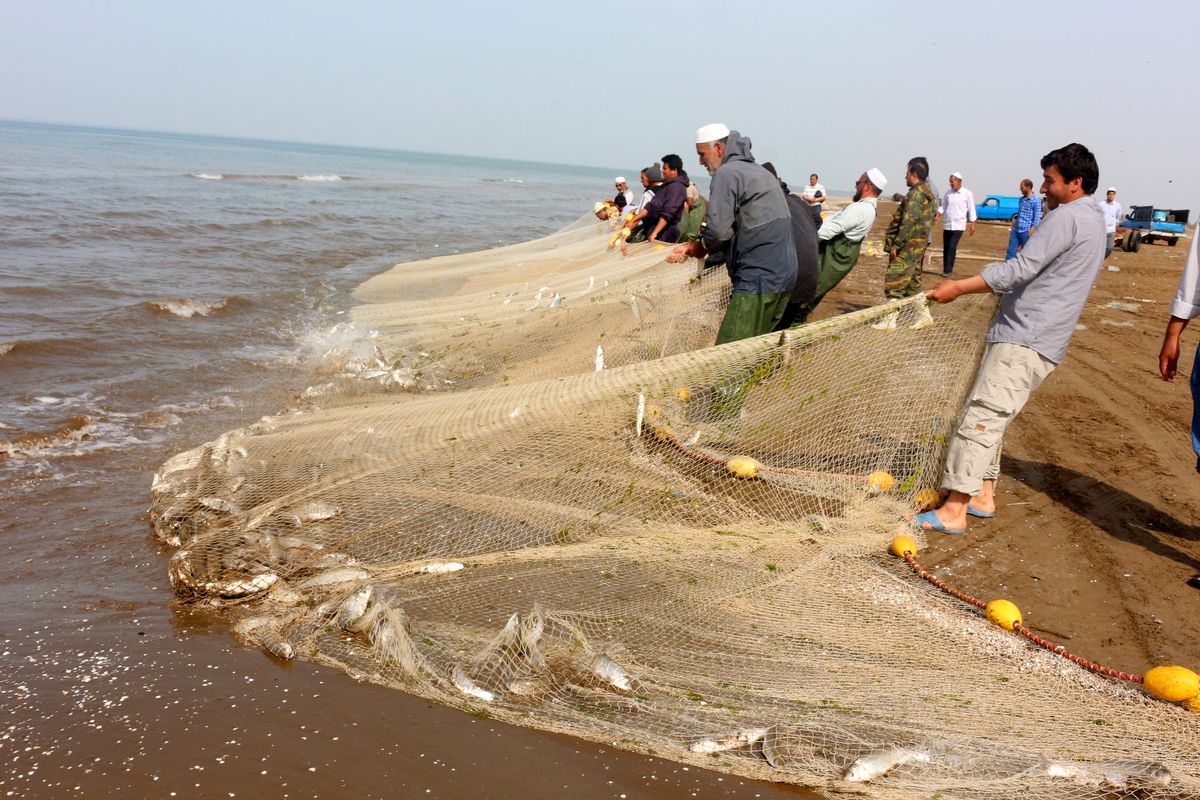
x,y
637,312
610,671
770,747
221,505
743,737
641,412
276,645
591,282
504,643
599,697
880,762
315,510
599,358
387,630
691,440
533,625
1119,774
555,301
441,567
354,608
468,687
527,687
332,576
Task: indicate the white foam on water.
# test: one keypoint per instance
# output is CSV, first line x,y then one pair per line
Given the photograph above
x,y
188,308
319,178
49,400
6,347
206,176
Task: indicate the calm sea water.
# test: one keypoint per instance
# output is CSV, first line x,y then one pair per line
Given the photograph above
x,y
156,290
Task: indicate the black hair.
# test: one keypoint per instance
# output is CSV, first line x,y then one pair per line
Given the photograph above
x,y
673,161
815,175
619,201
919,166
1075,161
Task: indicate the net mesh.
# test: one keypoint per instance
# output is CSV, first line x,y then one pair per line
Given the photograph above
x,y
682,553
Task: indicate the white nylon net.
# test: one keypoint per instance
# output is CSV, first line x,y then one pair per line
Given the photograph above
x,y
482,518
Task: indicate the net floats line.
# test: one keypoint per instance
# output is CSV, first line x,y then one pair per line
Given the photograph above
x,y
1170,682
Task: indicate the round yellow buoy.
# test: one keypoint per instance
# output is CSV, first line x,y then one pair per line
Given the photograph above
x,y
653,411
625,233
880,481
1003,613
1172,682
683,393
927,499
904,543
658,247
663,433
743,466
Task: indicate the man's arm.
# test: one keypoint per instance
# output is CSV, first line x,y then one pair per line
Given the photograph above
x,y
948,291
893,229
1184,307
838,223
722,203
1036,255
972,214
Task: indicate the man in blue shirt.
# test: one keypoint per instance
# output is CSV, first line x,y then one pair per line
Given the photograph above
x,y
1029,214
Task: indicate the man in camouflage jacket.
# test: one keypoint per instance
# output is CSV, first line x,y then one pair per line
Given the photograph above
x,y
908,234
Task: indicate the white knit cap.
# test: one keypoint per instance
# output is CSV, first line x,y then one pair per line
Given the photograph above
x,y
619,180
876,178
713,132
957,175
1112,189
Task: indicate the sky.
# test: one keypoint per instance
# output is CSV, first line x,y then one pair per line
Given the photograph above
x,y
985,89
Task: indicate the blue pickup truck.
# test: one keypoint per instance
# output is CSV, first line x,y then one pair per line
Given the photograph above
x,y
1149,224
998,206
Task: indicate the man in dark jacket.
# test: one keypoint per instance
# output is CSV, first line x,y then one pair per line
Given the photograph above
x,y
747,217
668,201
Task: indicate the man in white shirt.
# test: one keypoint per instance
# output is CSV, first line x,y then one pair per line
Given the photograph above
x,y
1112,218
623,189
814,195
957,211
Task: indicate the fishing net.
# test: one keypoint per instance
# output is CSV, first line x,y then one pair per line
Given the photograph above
x,y
682,553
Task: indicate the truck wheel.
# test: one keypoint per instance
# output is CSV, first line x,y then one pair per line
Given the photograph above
x,y
1135,242
1013,219
1127,241
1172,242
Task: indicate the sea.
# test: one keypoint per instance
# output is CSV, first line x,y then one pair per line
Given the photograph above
x,y
156,290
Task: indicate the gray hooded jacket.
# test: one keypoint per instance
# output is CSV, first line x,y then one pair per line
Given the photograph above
x,y
749,218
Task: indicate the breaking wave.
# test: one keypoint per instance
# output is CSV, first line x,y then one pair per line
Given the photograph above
x,y
187,308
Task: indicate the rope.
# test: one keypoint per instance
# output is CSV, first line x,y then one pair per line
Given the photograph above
x,y
1057,649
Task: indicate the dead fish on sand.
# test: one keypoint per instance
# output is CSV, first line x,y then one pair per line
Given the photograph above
x,y
440,568
1119,774
880,762
731,741
315,510
262,631
336,575
468,687
354,608
611,672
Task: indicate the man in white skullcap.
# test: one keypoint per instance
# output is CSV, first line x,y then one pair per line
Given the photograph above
x,y
748,218
623,189
839,241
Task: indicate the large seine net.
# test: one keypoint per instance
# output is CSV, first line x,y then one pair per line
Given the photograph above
x,y
482,517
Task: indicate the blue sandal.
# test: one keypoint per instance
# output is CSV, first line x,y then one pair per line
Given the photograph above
x,y
974,512
935,524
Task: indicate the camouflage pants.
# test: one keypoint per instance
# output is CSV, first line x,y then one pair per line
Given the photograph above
x,y
903,276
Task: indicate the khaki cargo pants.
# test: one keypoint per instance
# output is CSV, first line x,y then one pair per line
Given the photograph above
x,y
1008,374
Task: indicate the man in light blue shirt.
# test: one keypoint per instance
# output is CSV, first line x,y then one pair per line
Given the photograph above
x,y
1029,214
1044,289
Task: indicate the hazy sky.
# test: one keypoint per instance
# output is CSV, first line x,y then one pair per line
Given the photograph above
x,y
982,88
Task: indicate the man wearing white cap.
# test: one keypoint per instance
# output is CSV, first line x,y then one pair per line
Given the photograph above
x,y
748,218
839,241
957,210
623,189
1112,218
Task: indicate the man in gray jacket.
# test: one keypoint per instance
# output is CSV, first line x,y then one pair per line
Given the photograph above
x,y
749,219
1044,288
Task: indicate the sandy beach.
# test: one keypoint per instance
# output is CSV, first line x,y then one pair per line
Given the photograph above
x,y
1096,533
